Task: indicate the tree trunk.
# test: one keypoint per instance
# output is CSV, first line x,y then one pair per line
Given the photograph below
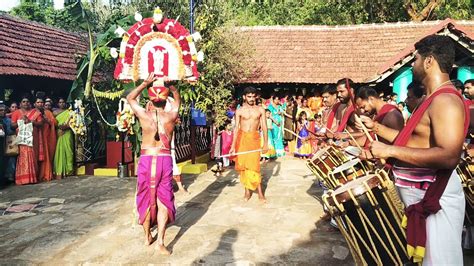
x,y
423,14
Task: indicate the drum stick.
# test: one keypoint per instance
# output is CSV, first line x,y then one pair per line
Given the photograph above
x,y
293,133
352,137
239,153
366,132
330,131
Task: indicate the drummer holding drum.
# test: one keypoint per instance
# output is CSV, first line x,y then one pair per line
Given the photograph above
x,y
425,153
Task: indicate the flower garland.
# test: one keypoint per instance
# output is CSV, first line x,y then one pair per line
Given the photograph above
x,y
125,117
148,37
108,95
76,120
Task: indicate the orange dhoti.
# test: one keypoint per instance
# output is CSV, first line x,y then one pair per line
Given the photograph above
x,y
248,165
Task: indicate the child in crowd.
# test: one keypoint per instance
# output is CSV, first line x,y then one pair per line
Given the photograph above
x,y
303,146
226,142
223,144
316,126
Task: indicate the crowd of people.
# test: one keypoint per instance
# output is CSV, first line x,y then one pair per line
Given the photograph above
x,y
296,122
36,142
422,138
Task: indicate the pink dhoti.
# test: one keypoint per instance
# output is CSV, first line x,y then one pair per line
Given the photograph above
x,y
154,183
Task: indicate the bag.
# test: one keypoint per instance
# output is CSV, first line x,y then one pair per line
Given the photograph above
x,y
11,149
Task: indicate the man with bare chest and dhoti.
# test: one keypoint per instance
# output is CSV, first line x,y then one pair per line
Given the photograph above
x,y
424,155
155,199
249,119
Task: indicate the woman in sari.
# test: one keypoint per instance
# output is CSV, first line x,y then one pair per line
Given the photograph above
x,y
277,112
27,121
290,114
64,156
48,132
270,154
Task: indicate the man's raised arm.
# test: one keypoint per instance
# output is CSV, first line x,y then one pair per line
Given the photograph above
x,y
177,99
132,96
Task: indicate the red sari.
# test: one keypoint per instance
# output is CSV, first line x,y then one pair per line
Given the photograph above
x,y
27,162
48,132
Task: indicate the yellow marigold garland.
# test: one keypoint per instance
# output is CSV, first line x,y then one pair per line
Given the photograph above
x,y
108,95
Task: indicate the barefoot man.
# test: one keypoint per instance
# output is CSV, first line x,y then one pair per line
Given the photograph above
x,y
425,153
249,119
155,199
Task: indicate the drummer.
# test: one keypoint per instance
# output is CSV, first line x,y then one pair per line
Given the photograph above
x,y
338,102
370,104
343,112
469,93
425,153
330,106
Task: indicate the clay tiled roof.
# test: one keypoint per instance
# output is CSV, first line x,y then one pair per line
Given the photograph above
x,y
30,48
324,54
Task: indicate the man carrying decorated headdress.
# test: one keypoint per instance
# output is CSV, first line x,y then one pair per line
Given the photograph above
x,y
155,199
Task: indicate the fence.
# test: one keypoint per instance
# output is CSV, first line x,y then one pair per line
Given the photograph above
x,y
184,133
92,147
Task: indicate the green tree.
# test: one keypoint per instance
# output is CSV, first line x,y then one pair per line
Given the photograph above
x,y
33,10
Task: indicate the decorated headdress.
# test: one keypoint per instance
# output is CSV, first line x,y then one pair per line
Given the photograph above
x,y
158,93
160,46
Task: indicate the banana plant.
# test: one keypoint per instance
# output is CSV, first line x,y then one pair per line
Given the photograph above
x,y
82,86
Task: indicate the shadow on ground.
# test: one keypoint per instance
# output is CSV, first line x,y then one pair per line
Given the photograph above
x,y
224,250
323,243
194,209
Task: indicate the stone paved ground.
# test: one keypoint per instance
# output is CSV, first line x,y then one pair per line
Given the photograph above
x,y
89,220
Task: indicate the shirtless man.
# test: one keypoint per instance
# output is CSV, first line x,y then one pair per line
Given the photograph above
x,y
344,115
426,151
469,93
368,101
329,100
415,95
249,119
155,199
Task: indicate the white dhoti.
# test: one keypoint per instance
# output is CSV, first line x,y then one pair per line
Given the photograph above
x,y
176,170
444,229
